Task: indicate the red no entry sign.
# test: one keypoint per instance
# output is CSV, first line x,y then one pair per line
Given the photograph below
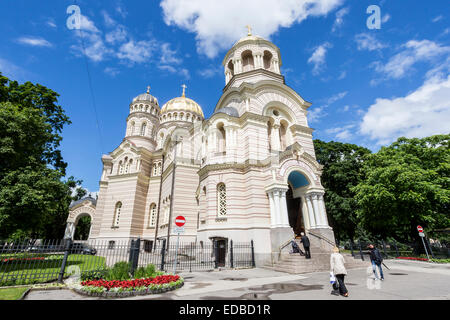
x,y
419,228
180,221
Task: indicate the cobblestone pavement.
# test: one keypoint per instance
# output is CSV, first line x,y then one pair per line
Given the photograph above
x,y
405,280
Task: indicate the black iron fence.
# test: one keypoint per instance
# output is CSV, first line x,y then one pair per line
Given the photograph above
x,y
35,261
392,249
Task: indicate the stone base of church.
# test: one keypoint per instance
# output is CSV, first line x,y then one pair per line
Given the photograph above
x,y
322,238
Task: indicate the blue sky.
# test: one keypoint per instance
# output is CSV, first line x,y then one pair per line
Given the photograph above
x,y
367,86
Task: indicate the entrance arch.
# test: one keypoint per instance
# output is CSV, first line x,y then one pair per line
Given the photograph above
x,y
78,210
298,184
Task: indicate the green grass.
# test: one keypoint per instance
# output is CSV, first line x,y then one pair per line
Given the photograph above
x,y
12,293
47,270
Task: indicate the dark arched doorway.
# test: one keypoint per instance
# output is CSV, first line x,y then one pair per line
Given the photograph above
x,y
296,181
82,228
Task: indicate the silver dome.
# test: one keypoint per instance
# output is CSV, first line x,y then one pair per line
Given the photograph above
x,y
232,112
146,97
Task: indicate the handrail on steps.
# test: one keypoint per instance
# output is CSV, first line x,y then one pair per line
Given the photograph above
x,y
287,242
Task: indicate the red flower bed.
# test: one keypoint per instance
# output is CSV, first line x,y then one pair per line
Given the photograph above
x,y
131,283
22,259
413,258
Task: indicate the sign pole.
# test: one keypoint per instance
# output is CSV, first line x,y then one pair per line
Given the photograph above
x,y
426,251
176,255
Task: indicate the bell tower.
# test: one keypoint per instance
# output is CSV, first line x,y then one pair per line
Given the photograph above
x,y
252,58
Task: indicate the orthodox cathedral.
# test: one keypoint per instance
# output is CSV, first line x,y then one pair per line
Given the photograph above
x,y
248,172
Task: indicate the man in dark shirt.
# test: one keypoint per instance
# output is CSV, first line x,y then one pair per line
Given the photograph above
x,y
376,259
306,245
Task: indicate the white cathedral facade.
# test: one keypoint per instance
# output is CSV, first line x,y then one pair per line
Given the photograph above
x,y
248,172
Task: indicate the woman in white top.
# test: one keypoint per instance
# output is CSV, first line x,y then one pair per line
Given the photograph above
x,y
338,269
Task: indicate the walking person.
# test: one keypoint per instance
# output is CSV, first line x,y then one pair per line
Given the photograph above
x,y
376,259
306,244
338,269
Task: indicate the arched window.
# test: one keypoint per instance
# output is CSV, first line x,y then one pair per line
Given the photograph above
x,y
269,134
120,171
143,128
221,138
231,67
155,170
247,61
152,220
126,165
132,128
117,214
221,200
159,168
267,58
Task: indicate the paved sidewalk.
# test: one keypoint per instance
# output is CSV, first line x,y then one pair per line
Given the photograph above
x,y
406,280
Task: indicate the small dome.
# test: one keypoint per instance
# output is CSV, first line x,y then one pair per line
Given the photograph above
x,y
146,97
232,112
251,37
182,104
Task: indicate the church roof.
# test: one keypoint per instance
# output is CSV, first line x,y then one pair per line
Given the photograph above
x,y
232,112
75,203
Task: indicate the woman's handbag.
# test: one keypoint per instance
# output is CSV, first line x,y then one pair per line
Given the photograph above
x,y
333,281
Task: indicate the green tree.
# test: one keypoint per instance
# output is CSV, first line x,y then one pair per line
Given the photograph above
x,y
342,171
406,184
34,198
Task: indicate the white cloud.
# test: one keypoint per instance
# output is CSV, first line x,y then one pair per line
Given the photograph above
x,y
414,51
438,18
88,25
136,52
111,71
211,71
168,56
34,41
109,22
341,133
342,75
386,18
183,72
339,18
318,57
319,112
118,35
51,23
218,25
421,113
12,71
366,41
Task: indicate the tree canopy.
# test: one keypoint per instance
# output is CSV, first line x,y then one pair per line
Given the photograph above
x,y
342,171
404,185
34,198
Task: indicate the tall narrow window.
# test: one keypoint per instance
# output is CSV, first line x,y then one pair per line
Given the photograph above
x,y
155,170
120,167
221,200
143,129
117,214
132,128
152,220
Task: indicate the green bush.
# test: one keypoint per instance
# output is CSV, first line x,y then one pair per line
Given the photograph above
x,y
145,272
441,260
120,271
94,274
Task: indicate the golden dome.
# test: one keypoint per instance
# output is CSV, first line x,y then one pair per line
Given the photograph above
x,y
182,104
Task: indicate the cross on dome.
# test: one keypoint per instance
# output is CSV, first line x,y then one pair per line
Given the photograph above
x,y
249,30
184,89
148,89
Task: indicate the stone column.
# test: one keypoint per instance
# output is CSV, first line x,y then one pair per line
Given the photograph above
x,y
280,231
70,230
317,214
305,213
312,219
272,211
323,210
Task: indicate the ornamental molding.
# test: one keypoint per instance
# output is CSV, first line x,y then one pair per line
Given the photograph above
x,y
86,208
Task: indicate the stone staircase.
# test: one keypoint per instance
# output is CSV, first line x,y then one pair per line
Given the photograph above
x,y
319,262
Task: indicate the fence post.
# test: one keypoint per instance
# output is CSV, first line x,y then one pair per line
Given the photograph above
x,y
351,247
396,248
253,255
360,250
134,255
384,248
216,255
68,246
191,257
231,254
163,253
